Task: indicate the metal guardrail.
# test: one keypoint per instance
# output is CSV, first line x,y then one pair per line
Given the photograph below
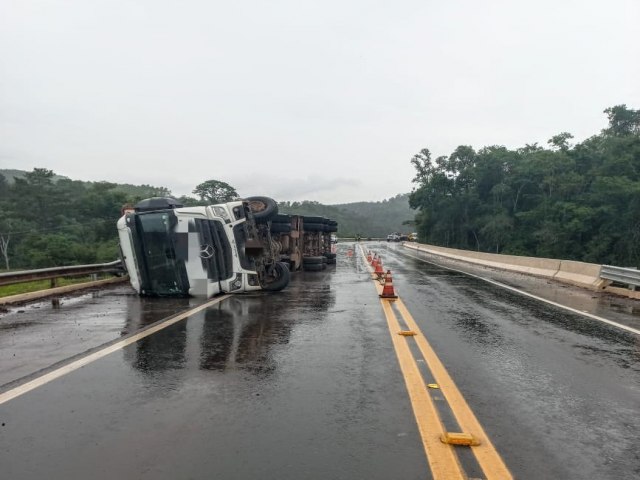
x,y
628,276
11,278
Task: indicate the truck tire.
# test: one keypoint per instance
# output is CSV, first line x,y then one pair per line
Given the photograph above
x,y
313,267
313,227
279,279
281,218
313,260
263,208
331,258
280,227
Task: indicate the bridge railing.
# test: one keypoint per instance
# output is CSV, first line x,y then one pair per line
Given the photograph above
x,y
588,275
628,276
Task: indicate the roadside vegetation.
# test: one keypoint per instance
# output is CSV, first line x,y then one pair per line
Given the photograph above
x,y
579,202
48,220
37,285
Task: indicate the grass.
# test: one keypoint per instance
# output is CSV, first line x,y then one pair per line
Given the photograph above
x,y
36,285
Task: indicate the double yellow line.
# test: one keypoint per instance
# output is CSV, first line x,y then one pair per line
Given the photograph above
x,y
442,457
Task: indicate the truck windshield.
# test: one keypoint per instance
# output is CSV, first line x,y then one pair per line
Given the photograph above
x,y
163,270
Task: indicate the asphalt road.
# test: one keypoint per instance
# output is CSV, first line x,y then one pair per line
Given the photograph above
x,y
305,383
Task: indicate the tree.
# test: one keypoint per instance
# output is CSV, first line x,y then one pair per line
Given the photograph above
x,y
561,141
622,120
215,191
4,248
578,202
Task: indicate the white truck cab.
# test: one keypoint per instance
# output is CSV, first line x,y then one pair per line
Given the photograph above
x,y
171,250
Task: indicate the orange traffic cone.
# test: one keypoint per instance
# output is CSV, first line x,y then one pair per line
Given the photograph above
x,y
379,271
374,260
369,257
387,290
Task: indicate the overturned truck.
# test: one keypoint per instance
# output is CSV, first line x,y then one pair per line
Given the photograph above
x,y
172,250
304,242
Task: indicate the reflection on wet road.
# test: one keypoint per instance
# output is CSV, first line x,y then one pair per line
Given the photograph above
x,y
305,383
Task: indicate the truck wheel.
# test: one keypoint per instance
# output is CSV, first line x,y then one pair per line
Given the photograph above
x,y
279,278
313,260
281,218
313,267
280,227
263,208
313,227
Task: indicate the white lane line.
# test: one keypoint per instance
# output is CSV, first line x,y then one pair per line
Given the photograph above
x,y
513,289
92,357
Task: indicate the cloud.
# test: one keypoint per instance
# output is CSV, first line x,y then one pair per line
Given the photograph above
x,y
301,100
319,188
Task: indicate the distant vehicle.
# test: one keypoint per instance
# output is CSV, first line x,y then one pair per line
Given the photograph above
x,y
393,237
171,250
413,237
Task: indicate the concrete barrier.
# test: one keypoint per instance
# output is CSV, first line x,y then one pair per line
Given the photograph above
x,y
581,274
567,271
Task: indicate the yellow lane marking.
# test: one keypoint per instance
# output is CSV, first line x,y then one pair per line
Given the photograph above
x,y
441,457
486,454
488,458
59,372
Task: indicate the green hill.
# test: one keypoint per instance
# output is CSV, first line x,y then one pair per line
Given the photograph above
x,y
369,219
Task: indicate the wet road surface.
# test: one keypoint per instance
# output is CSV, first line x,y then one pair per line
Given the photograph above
x,y
558,393
305,383
301,384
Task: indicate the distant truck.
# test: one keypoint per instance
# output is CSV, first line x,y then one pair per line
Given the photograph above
x,y
172,250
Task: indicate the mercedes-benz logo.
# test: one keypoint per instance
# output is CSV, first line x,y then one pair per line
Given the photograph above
x,y
206,251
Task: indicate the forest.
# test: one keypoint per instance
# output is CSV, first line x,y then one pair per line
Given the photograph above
x,y
48,220
576,202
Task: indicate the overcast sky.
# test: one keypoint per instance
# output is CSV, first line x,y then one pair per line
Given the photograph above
x,y
319,100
